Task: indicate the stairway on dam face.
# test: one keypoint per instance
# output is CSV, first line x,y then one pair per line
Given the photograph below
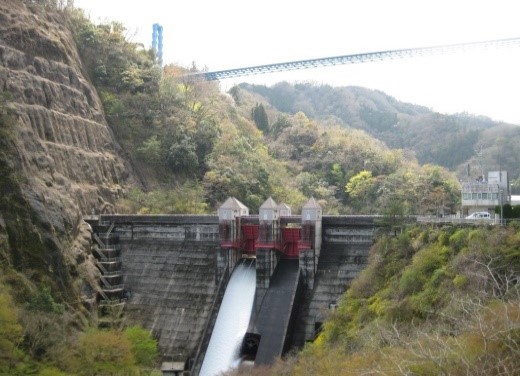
x,y
172,287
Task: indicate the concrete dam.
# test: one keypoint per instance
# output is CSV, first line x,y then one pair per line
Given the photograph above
x,y
168,273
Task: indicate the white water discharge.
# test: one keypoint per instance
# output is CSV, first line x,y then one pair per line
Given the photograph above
x,y
232,321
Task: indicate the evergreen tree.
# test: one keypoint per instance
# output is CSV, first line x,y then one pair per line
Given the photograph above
x,y
260,118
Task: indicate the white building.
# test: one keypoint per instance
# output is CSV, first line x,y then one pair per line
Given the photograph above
x,y
231,209
484,196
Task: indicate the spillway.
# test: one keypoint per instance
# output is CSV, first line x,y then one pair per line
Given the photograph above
x,y
232,321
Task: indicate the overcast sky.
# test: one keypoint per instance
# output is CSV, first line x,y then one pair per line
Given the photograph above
x,y
230,34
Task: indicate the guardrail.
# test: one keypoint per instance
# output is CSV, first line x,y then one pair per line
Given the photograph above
x,y
458,220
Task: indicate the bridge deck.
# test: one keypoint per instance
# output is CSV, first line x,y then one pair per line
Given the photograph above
x,y
275,313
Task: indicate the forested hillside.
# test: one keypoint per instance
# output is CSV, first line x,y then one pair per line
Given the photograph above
x,y
194,146
431,302
451,141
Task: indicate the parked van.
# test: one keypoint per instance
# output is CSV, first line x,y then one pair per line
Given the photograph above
x,y
479,215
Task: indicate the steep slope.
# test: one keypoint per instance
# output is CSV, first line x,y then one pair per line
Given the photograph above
x,y
58,158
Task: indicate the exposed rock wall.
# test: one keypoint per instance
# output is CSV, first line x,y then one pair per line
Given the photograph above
x,y
59,159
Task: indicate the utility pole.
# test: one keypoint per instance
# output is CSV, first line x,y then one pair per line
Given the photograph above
x,y
501,204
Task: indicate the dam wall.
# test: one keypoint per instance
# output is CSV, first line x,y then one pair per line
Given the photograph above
x,y
172,266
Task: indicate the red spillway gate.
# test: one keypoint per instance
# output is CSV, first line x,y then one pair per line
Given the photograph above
x,y
291,239
249,236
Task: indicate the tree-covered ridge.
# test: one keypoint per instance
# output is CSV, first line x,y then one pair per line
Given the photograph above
x,y
326,158
451,141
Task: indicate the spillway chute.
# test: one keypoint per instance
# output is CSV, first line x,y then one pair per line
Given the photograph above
x,y
223,352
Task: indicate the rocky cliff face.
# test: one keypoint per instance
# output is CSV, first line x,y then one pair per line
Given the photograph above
x,y
58,158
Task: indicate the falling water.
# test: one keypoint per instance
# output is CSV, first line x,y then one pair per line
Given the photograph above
x,y
232,321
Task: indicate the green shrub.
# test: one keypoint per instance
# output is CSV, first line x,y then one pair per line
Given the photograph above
x,y
411,281
458,240
11,333
101,352
144,347
43,301
460,281
51,371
